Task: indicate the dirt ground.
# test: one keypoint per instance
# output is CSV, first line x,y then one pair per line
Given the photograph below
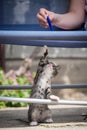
x,y
64,116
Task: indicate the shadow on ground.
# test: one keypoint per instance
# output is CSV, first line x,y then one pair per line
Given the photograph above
x,y
17,117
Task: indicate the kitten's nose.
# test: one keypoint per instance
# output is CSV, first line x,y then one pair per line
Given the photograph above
x,y
50,65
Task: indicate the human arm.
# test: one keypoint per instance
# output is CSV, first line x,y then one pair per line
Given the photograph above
x,y
73,19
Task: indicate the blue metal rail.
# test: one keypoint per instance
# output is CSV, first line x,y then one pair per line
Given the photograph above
x,y
54,86
66,39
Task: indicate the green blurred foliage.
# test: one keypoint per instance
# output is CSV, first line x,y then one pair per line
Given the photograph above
x,y
26,79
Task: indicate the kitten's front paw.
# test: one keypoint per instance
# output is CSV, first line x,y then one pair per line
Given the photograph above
x,y
33,123
54,98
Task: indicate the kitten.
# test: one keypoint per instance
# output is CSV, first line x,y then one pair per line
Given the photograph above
x,y
42,90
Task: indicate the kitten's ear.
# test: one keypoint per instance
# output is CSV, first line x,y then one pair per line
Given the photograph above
x,y
45,51
58,67
44,59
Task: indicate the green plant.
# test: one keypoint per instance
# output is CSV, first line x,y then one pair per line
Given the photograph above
x,y
26,79
14,93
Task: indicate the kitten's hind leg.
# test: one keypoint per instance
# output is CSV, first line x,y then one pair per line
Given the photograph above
x,y
47,116
33,117
33,123
48,120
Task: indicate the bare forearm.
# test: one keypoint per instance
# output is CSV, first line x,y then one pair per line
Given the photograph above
x,y
72,19
68,21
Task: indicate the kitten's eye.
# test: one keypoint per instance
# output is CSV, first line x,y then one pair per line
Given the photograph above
x,y
43,63
54,66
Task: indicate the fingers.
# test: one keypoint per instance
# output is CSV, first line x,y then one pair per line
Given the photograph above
x,y
43,12
41,16
43,24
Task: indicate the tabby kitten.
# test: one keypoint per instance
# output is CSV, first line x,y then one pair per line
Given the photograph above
x,y
42,90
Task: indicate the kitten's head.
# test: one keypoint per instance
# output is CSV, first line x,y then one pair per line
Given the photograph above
x,y
47,67
50,69
55,68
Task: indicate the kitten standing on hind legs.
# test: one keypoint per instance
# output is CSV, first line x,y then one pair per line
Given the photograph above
x,y
42,90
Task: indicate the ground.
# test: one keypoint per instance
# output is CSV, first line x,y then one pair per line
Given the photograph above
x,y
65,118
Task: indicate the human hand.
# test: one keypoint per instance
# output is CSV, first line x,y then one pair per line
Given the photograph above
x,y
42,17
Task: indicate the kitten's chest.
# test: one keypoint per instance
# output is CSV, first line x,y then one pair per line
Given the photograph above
x,y
39,89
42,83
